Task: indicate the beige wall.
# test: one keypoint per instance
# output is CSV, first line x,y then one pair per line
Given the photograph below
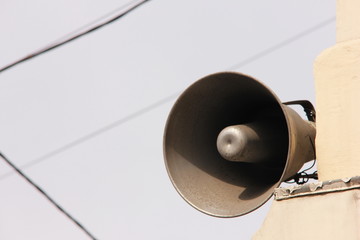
x,y
332,216
336,215
337,82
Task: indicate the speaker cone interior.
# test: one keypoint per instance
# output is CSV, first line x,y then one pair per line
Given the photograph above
x,y
208,175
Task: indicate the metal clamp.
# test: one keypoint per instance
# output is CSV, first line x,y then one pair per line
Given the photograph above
x,y
308,108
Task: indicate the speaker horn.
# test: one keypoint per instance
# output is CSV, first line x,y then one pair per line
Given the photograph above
x,y
229,142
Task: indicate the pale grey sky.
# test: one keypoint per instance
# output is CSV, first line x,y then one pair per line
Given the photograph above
x,y
116,183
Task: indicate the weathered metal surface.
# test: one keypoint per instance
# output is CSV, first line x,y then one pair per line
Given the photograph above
x,y
316,188
229,187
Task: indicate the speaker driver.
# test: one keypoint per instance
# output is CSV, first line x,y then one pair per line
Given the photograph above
x,y
214,116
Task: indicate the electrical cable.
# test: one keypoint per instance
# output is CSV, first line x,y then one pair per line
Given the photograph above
x,y
51,200
167,99
93,134
283,43
302,176
77,34
95,25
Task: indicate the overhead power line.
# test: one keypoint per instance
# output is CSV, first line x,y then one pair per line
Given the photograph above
x,y
283,43
51,200
91,27
93,134
106,128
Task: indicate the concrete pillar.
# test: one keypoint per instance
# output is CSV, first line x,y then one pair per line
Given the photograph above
x,y
329,215
347,20
332,216
337,84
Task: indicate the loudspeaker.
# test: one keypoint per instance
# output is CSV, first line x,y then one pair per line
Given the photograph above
x,y
229,142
